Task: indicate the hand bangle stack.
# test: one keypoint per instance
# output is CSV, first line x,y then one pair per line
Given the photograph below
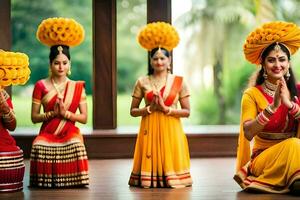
x,y
148,109
67,114
48,115
295,110
169,111
8,117
269,110
262,119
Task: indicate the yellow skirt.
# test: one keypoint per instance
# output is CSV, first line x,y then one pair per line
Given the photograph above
x,y
161,157
274,170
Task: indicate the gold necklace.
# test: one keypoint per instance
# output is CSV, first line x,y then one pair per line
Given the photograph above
x,y
157,82
269,88
58,87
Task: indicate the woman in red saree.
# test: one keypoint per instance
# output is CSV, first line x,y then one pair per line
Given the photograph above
x,y
11,156
58,156
270,113
161,157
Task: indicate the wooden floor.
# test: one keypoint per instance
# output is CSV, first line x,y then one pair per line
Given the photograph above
x,y
108,180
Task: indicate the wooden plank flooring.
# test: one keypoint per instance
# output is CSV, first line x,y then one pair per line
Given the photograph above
x,y
108,180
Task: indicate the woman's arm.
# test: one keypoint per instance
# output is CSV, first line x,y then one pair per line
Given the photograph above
x,y
253,127
8,116
183,112
135,111
36,116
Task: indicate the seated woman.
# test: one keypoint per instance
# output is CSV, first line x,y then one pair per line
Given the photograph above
x,y
270,113
11,156
58,156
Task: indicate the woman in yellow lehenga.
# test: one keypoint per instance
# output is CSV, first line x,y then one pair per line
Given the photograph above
x,y
270,113
161,157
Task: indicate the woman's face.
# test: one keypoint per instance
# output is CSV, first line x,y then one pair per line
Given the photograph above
x,y
160,62
276,65
60,65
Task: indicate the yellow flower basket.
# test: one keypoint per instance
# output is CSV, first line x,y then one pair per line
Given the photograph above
x,y
283,32
60,31
158,34
14,68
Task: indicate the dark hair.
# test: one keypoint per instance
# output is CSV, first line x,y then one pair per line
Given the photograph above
x,y
152,53
54,52
290,82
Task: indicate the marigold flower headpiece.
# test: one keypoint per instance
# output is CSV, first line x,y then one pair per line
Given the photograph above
x,y
14,68
285,33
158,35
60,31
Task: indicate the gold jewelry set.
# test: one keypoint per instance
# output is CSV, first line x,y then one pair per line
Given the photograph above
x,y
269,88
157,83
58,87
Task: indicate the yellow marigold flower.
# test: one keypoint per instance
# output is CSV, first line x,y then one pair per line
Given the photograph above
x,y
60,31
10,67
282,32
158,34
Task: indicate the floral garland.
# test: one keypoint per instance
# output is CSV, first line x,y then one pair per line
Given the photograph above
x,y
14,68
158,34
60,31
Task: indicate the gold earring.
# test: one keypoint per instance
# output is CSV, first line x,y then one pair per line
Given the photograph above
x,y
265,75
69,71
287,75
169,69
50,72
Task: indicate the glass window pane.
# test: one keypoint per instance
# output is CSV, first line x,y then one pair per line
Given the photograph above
x,y
24,28
131,58
210,54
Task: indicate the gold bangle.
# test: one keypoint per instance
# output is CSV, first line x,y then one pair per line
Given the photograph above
x,y
8,114
44,116
8,117
169,111
148,109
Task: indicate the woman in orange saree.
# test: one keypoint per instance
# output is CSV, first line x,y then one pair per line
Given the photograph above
x,y
161,157
270,114
58,156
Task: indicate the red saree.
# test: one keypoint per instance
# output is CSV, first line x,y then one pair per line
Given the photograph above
x,y
58,156
11,159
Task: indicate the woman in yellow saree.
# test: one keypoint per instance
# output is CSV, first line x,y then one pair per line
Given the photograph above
x,y
58,156
270,112
161,157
